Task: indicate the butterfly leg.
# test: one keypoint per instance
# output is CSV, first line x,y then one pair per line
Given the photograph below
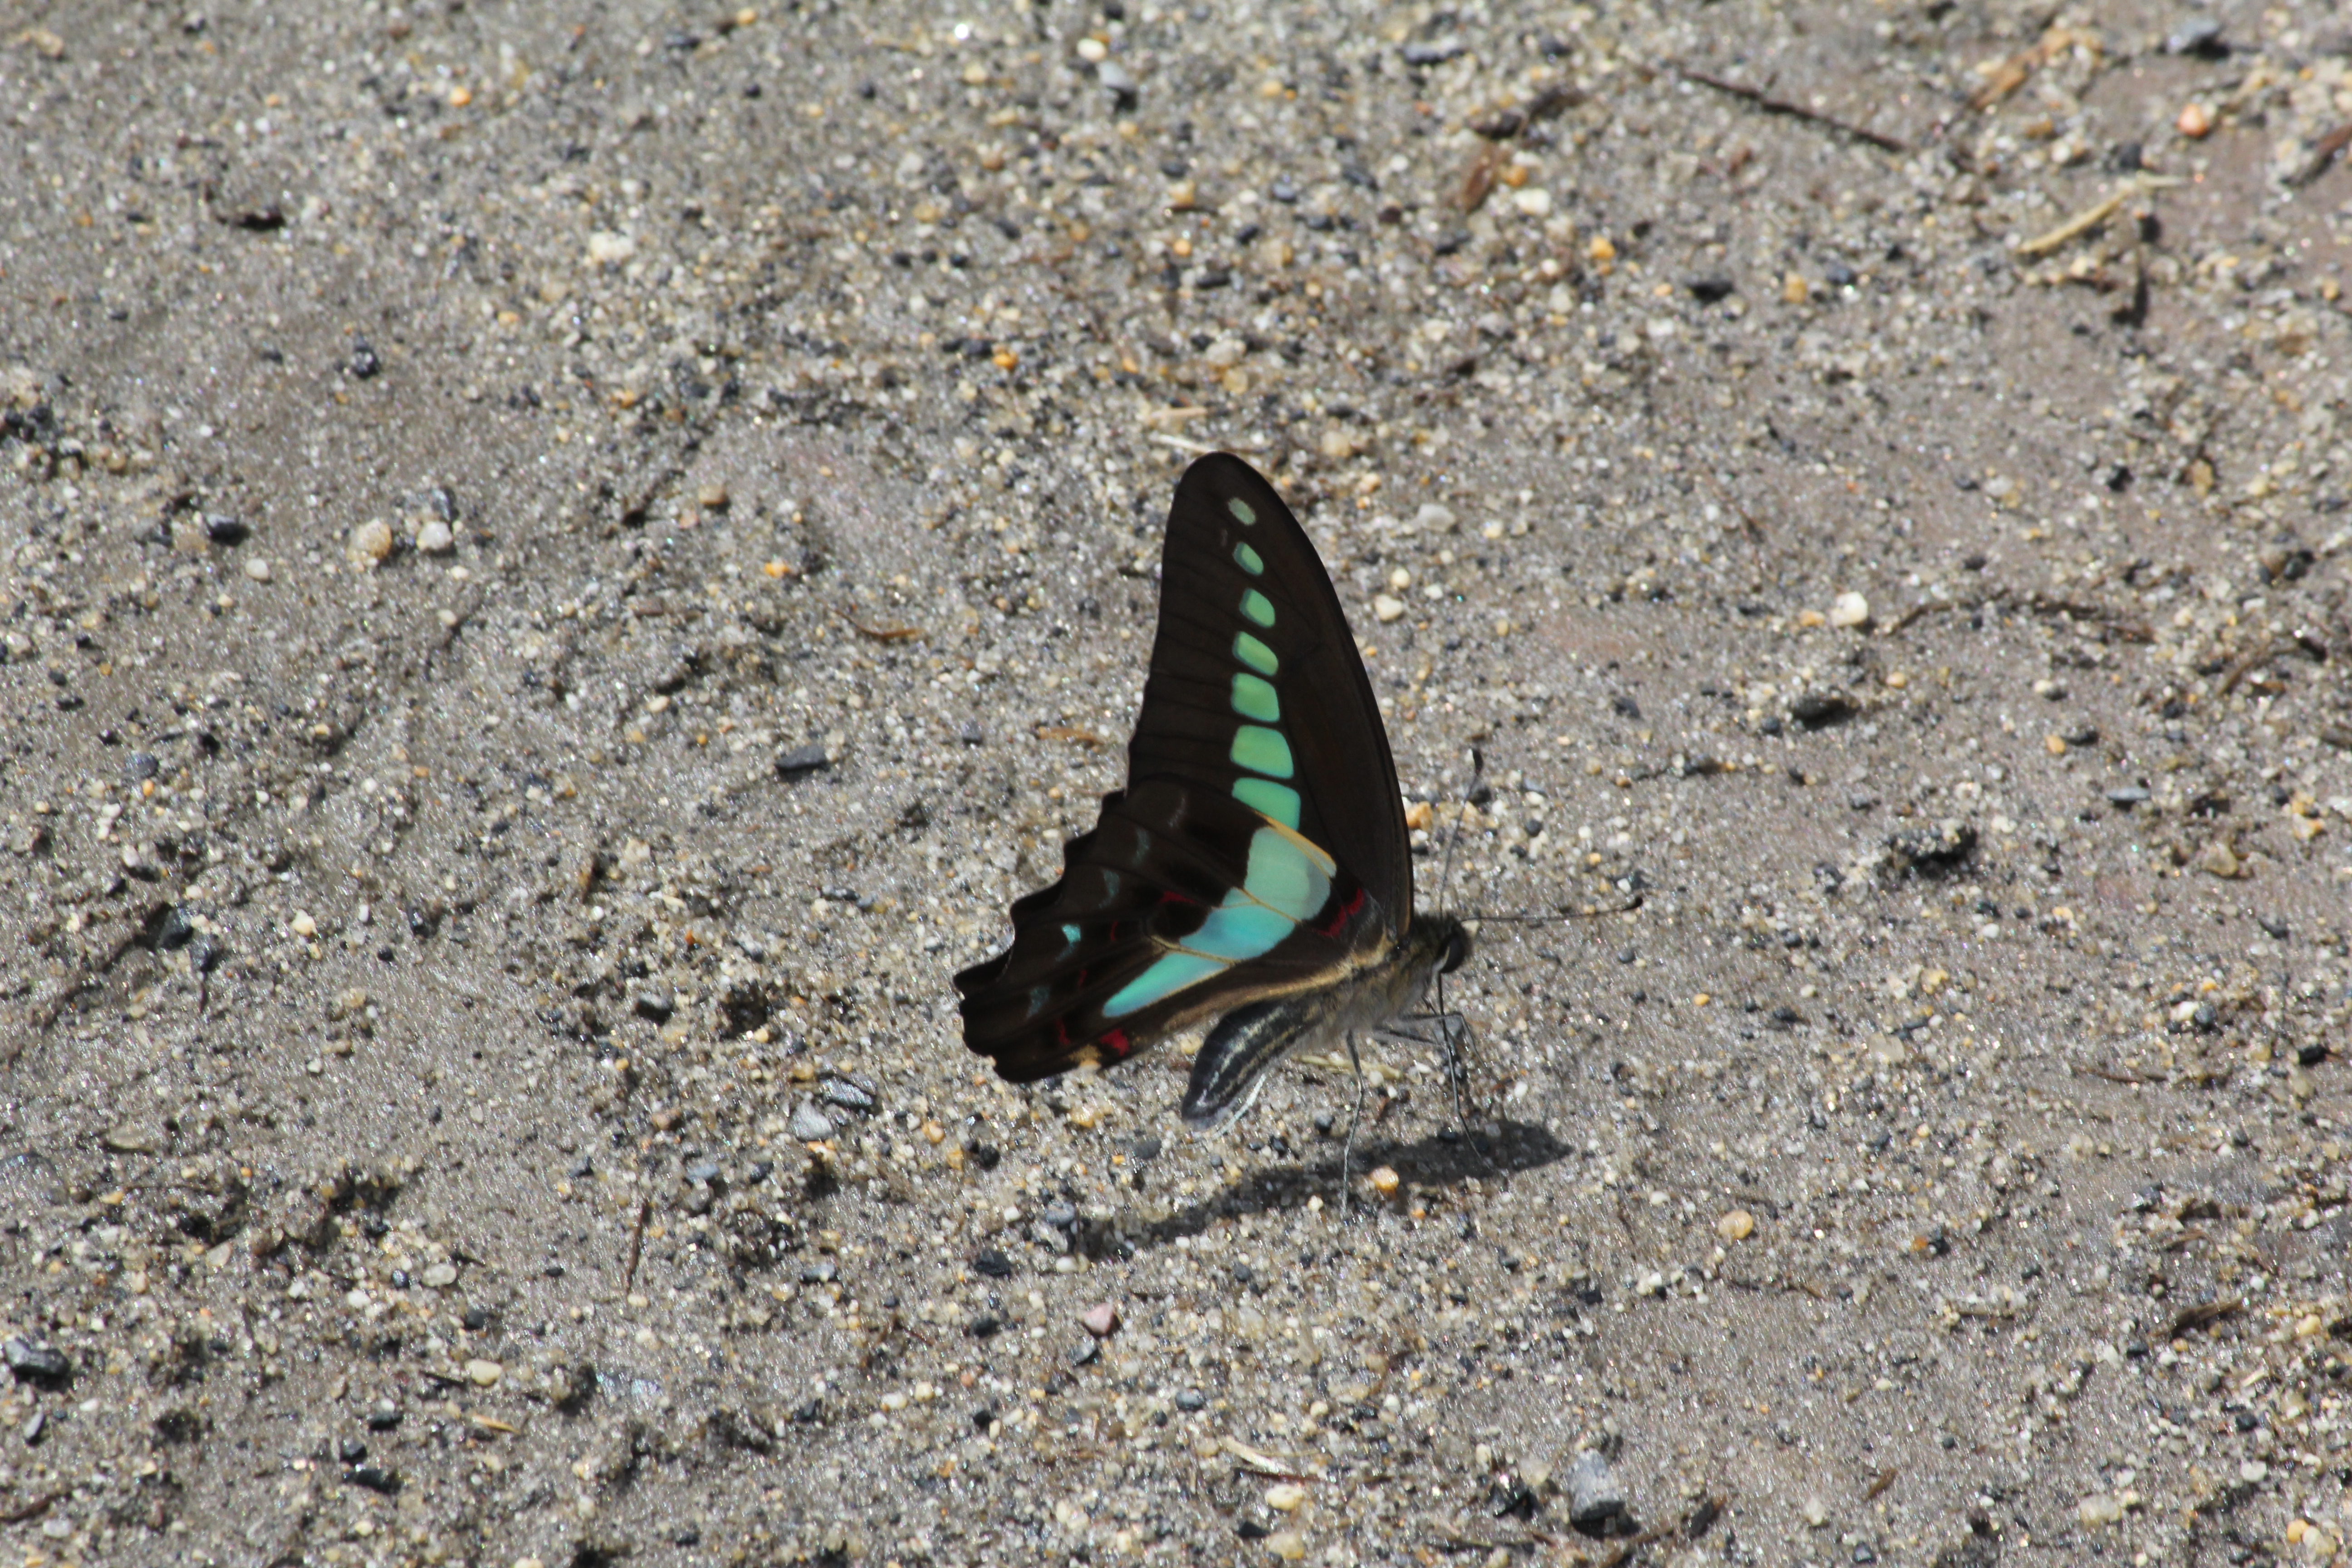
x,y
1453,1027
1348,1146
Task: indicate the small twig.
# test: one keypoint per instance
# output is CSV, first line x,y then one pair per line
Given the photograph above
x,y
637,1242
32,1509
2239,670
2130,631
2082,223
2199,1316
2015,71
2323,152
880,633
2092,216
1256,1463
1176,416
1879,1483
1795,111
1923,607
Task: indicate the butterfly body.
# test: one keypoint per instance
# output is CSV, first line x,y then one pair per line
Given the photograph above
x,y
1256,869
1231,1064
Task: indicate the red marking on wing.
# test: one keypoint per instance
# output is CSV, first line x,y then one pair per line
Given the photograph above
x,y
1116,1043
1347,912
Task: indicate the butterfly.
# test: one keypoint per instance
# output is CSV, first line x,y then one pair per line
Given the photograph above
x,y
1256,874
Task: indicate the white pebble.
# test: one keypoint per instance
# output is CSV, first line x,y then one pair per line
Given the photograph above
x,y
372,543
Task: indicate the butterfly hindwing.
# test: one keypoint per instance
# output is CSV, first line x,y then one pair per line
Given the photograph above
x,y
1259,848
1181,900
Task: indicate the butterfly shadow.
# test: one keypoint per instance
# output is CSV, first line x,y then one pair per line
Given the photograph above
x,y
1444,1158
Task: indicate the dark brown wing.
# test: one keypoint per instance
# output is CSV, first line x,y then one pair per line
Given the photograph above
x,y
1260,843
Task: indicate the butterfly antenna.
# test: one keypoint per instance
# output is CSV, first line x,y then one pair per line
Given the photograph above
x,y
1627,908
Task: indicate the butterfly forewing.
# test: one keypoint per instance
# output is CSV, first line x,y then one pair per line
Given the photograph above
x,y
1259,848
1256,684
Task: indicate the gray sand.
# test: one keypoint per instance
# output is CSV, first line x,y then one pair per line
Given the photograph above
x,y
561,570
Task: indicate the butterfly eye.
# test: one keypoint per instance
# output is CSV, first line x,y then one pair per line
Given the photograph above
x,y
1457,951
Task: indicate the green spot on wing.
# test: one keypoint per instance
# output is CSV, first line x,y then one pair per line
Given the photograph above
x,y
1242,510
1167,976
1258,607
1255,654
1251,561
1277,802
1253,698
1239,928
1283,876
1262,751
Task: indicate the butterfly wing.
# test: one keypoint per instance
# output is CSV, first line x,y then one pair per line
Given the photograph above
x,y
1259,850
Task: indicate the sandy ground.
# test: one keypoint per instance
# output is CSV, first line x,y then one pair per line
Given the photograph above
x,y
563,564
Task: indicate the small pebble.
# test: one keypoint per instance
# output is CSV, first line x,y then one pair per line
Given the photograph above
x,y
2199,35
1284,1497
2195,122
258,569
1101,1320
435,538
1595,1500
1191,1400
712,497
1738,1225
1385,1181
370,543
800,759
36,1361
1387,607
2100,1508
484,1373
1286,1544
1848,609
847,1096
810,1125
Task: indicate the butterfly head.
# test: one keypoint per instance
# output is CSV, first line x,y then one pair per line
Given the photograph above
x,y
1456,952
1438,944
